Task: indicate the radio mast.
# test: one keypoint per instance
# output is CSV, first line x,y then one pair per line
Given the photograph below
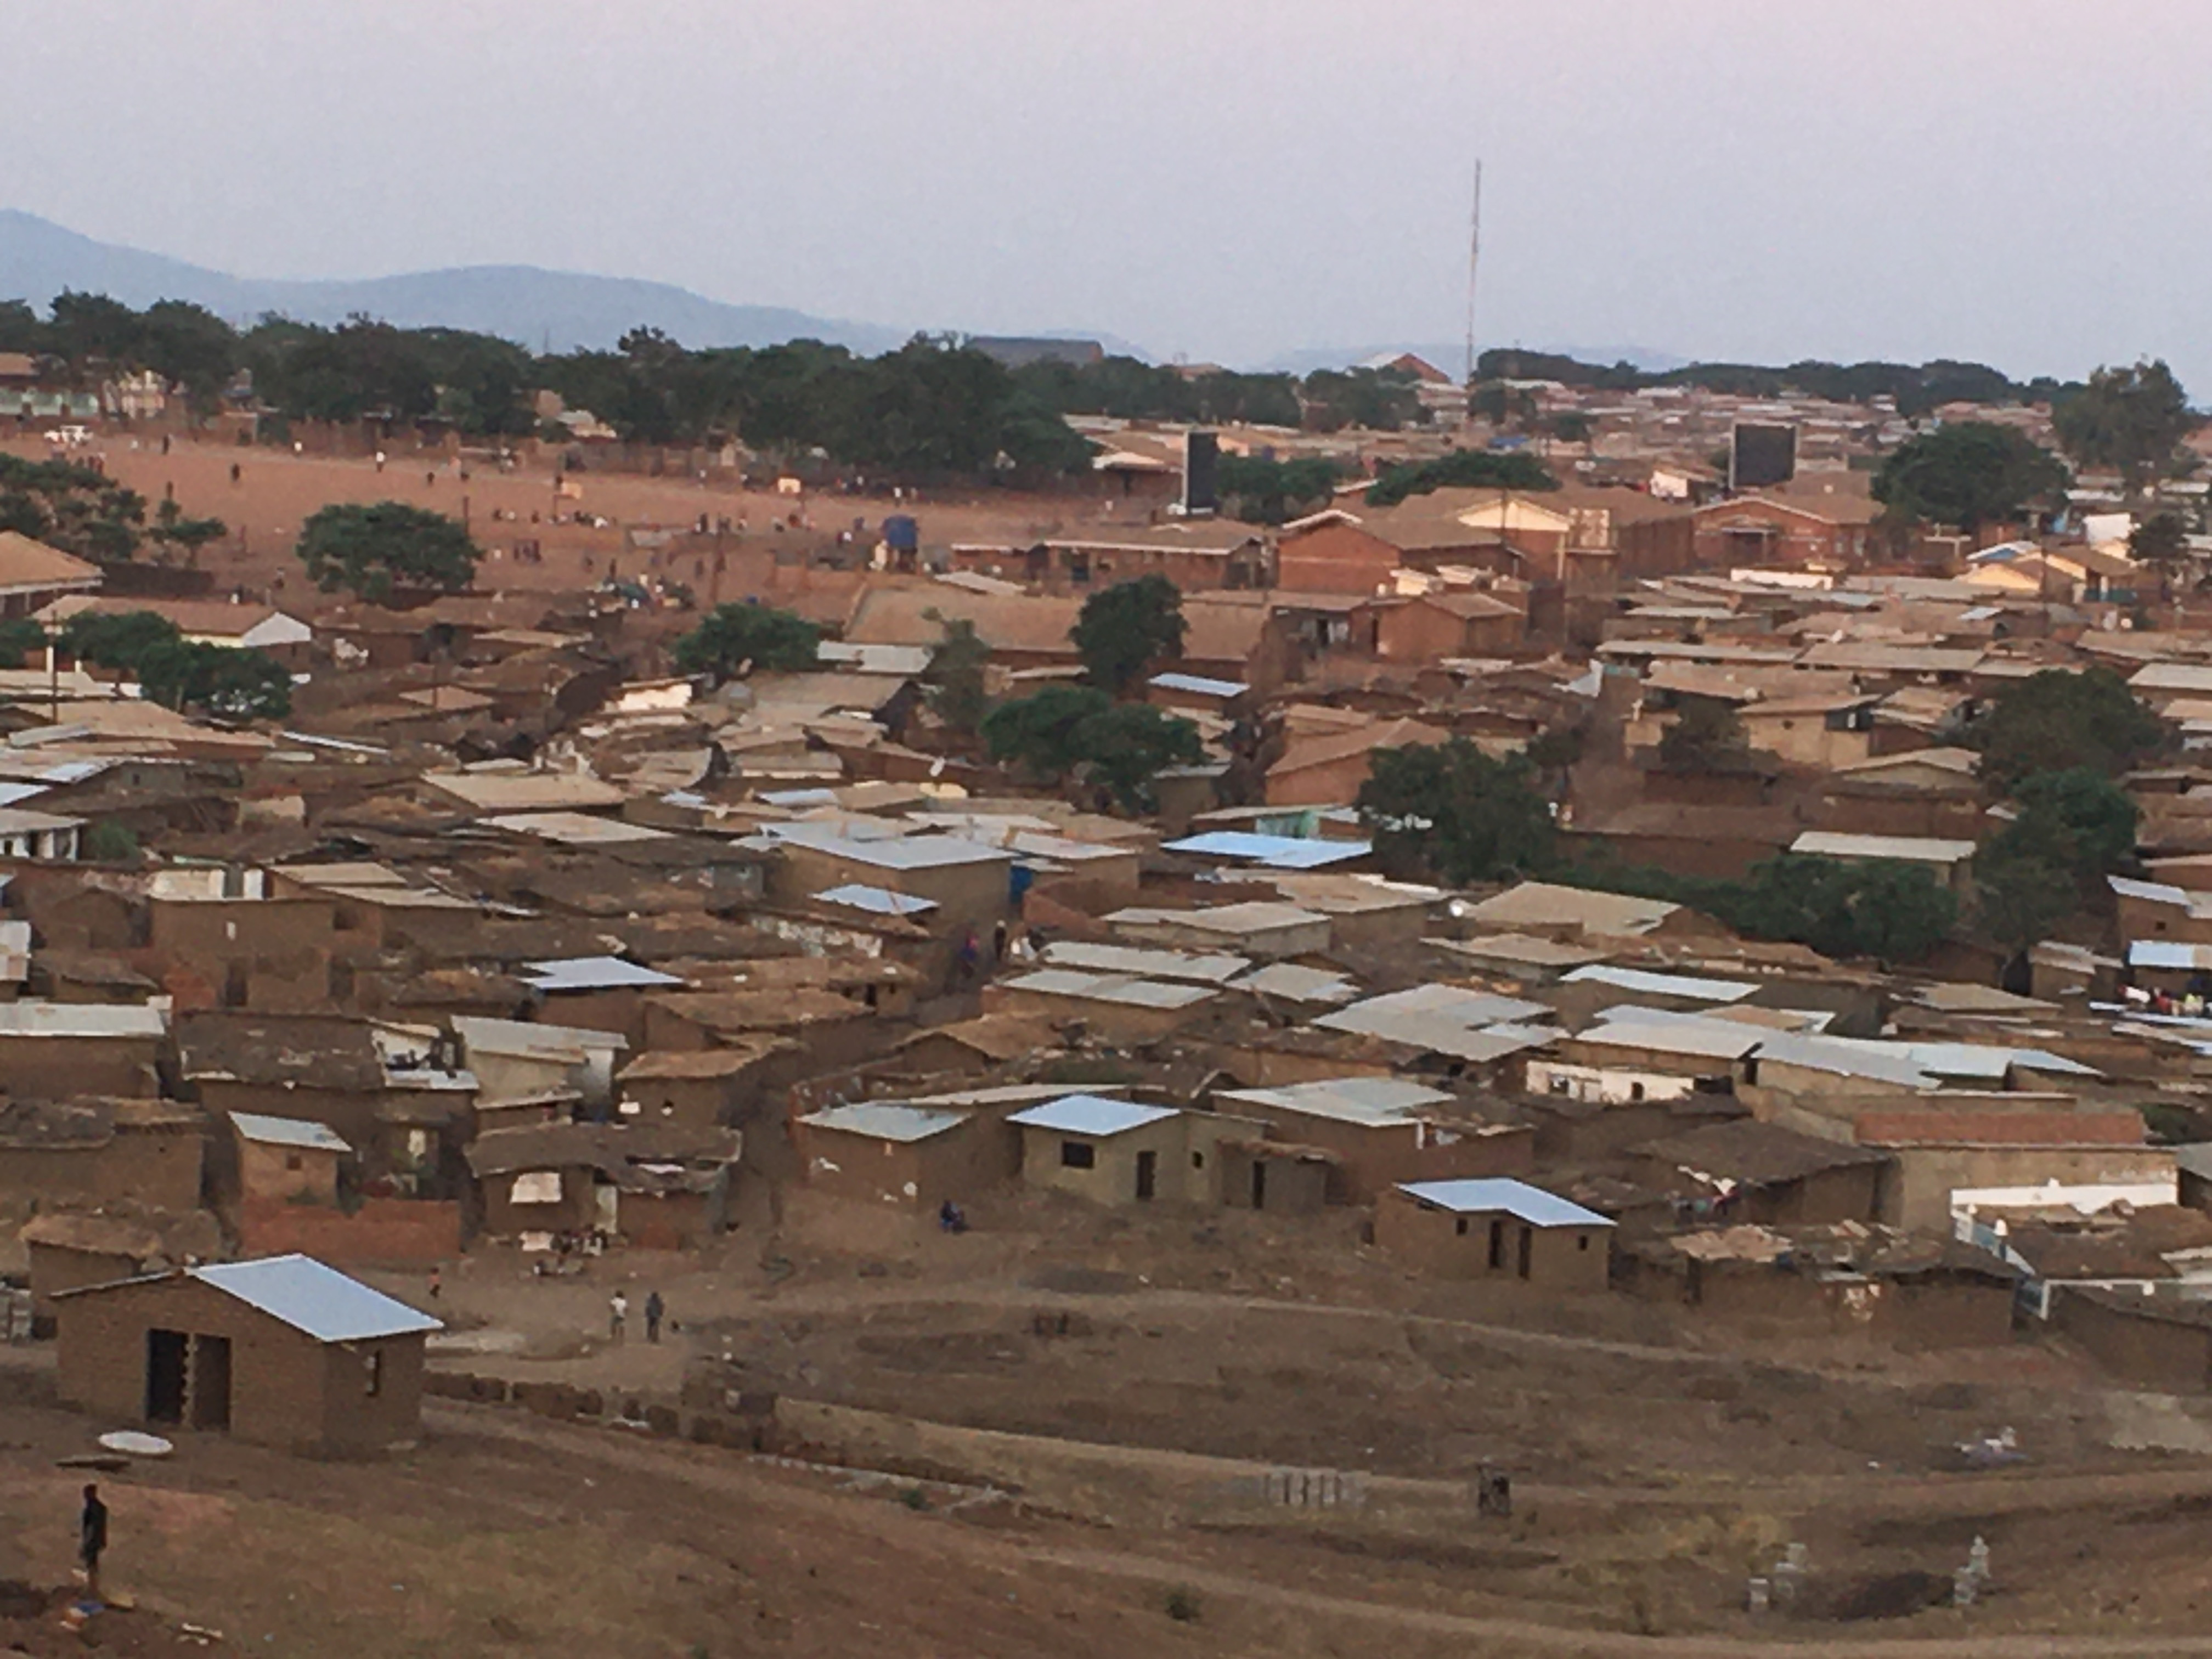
x,y
1473,263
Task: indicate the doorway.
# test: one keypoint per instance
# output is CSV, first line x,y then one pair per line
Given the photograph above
x,y
210,1398
1528,1247
1148,1175
1259,1184
164,1376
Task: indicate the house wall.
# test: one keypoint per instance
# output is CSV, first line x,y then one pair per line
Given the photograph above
x,y
1334,558
1116,1022
156,1169
1920,1194
64,1068
56,1268
349,1114
1112,1178
1807,740
382,1232
576,1211
288,1174
270,955
2168,1355
501,1077
1605,1085
1372,1159
287,1389
1291,1187
957,1164
1334,782
1444,1245
967,894
620,1009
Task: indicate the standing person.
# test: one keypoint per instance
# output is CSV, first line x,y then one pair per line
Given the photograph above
x,y
655,1309
437,1282
618,1315
971,951
92,1537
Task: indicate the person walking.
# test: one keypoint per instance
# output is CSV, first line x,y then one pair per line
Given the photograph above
x,y
655,1311
92,1537
618,1315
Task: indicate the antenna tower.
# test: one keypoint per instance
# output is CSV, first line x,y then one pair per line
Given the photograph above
x,y
1473,263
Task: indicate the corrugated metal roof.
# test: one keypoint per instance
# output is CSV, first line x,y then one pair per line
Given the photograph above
x,y
1706,1039
1090,1115
1371,1102
286,1132
1914,849
889,852
2170,954
1271,852
1515,1198
1153,965
1109,987
1663,985
1295,984
876,900
1200,684
1451,1004
81,1019
885,1122
594,973
313,1298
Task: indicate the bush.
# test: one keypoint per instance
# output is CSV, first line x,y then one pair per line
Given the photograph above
x,y
1182,1605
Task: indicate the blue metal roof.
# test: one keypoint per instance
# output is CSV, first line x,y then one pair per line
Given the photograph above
x,y
318,1300
880,901
1200,684
1516,1198
594,973
1090,1115
288,1132
1276,851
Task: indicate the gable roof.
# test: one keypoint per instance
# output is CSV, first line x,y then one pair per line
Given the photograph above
x,y
1091,1115
28,566
1516,1198
298,1291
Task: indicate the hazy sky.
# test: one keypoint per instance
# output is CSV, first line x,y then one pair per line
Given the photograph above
x,y
2021,181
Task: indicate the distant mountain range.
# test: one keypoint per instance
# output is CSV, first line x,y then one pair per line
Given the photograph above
x,y
532,307
535,307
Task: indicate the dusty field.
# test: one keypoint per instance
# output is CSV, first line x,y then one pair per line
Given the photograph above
x,y
1657,1463
276,491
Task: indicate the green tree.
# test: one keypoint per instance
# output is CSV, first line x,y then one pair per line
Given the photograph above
x,y
733,636
2019,900
953,683
2078,820
2160,543
110,841
1451,810
1263,491
1968,473
1038,733
1375,399
1572,427
373,550
1127,745
1706,735
1124,629
2132,420
2057,720
1897,913
229,683
1462,469
20,641
118,640
172,529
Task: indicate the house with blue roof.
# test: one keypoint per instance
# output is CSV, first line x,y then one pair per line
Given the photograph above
x,y
1497,1231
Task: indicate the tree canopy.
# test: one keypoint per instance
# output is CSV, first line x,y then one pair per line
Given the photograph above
x,y
1037,733
1705,735
1125,747
2132,420
1893,912
2057,722
82,511
1449,809
1462,469
121,640
731,635
953,684
1123,630
371,550
226,682
1968,473
1263,491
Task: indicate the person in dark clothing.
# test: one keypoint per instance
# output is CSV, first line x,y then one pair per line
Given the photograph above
x,y
92,1537
655,1309
950,1218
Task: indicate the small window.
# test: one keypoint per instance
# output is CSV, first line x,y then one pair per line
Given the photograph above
x,y
374,1372
1635,1091
1582,1241
292,1161
1558,1085
1078,1155
1461,1228
1198,1160
1497,1243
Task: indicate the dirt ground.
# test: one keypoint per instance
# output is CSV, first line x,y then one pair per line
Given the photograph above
x,y
1175,1359
276,491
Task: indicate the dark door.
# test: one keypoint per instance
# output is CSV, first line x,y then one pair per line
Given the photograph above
x,y
211,1382
1259,1184
1148,1174
1528,1244
165,1377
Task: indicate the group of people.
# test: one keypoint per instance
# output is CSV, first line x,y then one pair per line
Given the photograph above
x,y
656,1311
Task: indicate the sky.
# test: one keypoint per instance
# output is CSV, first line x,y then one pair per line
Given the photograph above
x,y
2016,181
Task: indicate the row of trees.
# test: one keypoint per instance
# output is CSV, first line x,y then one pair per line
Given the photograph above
x,y
178,673
1917,388
83,511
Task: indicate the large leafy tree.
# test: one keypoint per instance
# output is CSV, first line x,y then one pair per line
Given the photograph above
x,y
1263,491
1125,747
733,636
1706,735
1124,629
1968,473
2056,722
2019,898
1450,810
2077,820
121,640
2129,419
228,683
1477,469
1038,733
953,683
71,508
372,549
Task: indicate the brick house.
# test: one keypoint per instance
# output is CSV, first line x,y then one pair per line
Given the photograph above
x,y
282,1352
1332,553
1767,532
1494,1229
